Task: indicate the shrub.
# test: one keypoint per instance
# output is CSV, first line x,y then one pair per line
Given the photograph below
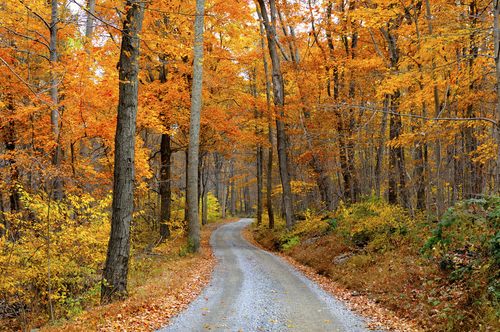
x,y
72,235
373,223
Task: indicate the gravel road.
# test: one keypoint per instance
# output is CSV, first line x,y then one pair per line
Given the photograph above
x,y
253,290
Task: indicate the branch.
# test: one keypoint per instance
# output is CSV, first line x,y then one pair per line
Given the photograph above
x,y
24,36
24,82
345,105
287,58
96,17
28,52
39,17
378,51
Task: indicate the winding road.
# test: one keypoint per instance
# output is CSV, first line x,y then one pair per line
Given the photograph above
x,y
253,290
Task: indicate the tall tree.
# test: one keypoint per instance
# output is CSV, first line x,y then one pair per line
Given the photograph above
x,y
165,190
279,102
194,130
114,279
54,96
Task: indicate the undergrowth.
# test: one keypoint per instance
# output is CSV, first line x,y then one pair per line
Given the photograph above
x,y
72,236
443,276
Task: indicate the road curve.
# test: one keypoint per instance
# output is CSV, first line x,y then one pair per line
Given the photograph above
x,y
253,290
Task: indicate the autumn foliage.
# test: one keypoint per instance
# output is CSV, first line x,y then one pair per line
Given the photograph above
x,y
389,107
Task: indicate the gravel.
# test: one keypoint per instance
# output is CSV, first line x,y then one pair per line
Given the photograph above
x,y
253,290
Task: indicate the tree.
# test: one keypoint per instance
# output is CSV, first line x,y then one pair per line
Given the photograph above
x,y
114,279
194,130
279,102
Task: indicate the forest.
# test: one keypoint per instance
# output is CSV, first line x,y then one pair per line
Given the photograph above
x,y
357,130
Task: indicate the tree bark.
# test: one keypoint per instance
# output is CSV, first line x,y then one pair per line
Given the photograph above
x,y
233,192
54,113
381,149
437,113
165,188
194,130
279,101
269,184
496,40
259,184
396,162
114,280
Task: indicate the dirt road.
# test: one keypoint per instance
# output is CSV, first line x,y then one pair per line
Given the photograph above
x,y
253,290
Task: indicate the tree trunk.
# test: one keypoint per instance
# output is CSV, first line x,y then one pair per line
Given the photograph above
x,y
233,192
437,113
204,208
114,280
165,188
10,145
194,130
54,113
217,172
279,101
203,189
269,184
186,210
224,204
4,229
259,184
496,41
420,177
89,26
397,172
381,149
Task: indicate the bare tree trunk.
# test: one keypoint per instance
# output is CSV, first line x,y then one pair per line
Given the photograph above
x,y
204,207
496,41
233,192
114,280
4,229
279,101
269,184
203,189
194,130
54,114
396,162
420,177
186,210
437,113
10,145
381,150
224,194
89,26
89,31
165,188
219,162
259,184
439,159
